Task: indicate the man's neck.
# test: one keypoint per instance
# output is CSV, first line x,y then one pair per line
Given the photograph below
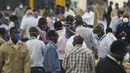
x,y
14,41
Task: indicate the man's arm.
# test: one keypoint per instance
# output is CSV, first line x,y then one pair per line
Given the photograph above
x,y
1,59
27,63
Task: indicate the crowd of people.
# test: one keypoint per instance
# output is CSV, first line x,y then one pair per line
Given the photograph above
x,y
69,41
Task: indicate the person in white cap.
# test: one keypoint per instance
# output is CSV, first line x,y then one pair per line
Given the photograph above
x,y
27,23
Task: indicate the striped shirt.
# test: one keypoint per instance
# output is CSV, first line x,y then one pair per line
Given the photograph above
x,y
79,60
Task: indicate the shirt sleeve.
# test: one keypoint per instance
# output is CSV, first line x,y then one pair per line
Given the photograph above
x,y
27,63
1,59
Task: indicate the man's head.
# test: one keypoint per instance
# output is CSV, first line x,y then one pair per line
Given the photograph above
x,y
52,35
2,31
15,34
111,3
58,25
29,13
69,19
125,4
90,8
33,32
13,18
78,40
119,49
120,13
126,17
79,20
117,6
108,30
99,30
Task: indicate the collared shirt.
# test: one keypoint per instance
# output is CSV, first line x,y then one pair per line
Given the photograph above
x,y
79,60
112,58
26,24
69,43
88,38
36,50
61,43
89,18
14,59
51,59
2,41
104,44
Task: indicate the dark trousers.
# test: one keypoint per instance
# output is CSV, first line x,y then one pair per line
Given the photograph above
x,y
37,70
108,21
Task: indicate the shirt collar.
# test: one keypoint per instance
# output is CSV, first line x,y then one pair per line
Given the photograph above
x,y
112,58
102,37
11,43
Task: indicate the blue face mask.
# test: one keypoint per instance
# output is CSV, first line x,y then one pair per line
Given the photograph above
x,y
36,15
95,36
17,36
67,35
88,10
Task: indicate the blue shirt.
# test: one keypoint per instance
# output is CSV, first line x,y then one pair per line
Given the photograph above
x,y
51,59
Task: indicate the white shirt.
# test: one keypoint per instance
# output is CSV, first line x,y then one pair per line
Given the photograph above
x,y
70,12
104,44
69,44
50,23
89,18
36,51
88,38
27,23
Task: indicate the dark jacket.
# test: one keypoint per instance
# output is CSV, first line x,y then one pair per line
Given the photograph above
x,y
108,65
123,27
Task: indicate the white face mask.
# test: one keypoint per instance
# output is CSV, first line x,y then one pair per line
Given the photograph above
x,y
125,20
8,8
126,57
21,6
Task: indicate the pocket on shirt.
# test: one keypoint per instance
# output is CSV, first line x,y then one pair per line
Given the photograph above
x,y
22,54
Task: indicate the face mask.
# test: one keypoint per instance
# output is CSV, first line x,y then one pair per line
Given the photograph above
x,y
21,6
8,8
125,20
17,36
95,36
36,15
126,57
67,35
88,10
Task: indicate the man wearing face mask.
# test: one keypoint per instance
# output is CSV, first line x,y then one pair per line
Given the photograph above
x,y
125,7
123,29
116,20
14,55
112,63
51,59
19,11
105,40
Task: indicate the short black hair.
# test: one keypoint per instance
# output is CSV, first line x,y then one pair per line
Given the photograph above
x,y
69,19
33,31
13,18
14,30
119,47
58,25
78,40
52,35
111,2
2,31
79,20
108,30
42,21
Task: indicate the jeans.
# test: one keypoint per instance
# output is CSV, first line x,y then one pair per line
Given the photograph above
x,y
37,70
